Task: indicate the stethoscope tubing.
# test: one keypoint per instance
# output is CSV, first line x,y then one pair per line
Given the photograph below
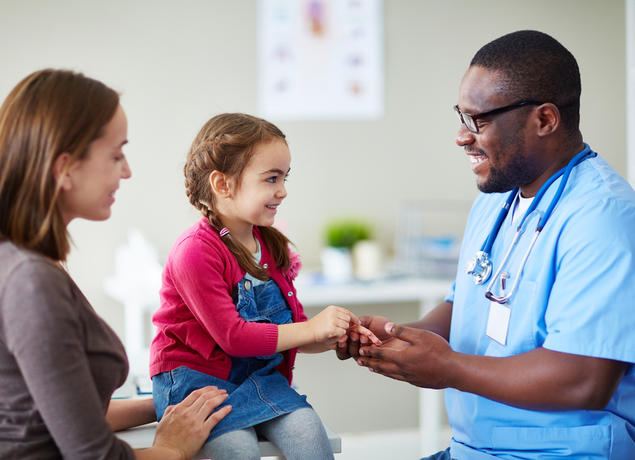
x,y
503,299
482,257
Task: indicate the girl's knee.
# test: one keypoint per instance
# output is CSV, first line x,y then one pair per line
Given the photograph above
x,y
241,444
305,419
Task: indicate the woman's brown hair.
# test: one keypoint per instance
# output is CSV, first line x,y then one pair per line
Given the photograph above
x,y
48,113
226,144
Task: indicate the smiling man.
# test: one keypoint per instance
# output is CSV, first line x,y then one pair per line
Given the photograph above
x,y
535,341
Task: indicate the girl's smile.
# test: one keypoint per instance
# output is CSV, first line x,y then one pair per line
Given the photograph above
x,y
257,194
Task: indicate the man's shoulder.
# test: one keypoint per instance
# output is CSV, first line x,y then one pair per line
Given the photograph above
x,y
598,190
597,210
606,175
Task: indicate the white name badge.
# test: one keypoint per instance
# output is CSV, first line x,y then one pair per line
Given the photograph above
x,y
498,322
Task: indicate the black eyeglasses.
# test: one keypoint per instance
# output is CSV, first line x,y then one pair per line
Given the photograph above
x,y
469,119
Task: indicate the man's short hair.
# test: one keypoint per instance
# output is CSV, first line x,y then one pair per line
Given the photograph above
x,y
535,66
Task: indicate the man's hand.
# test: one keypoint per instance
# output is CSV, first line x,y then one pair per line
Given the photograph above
x,y
415,356
540,379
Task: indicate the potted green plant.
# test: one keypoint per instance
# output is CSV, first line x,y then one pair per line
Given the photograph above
x,y
344,233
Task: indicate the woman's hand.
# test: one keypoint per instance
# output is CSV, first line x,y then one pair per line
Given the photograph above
x,y
185,426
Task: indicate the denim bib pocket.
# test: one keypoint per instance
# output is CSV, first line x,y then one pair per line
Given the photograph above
x,y
263,303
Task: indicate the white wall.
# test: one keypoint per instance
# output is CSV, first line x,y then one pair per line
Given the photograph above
x,y
178,63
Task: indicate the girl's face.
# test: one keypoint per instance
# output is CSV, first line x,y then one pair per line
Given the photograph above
x,y
88,188
261,188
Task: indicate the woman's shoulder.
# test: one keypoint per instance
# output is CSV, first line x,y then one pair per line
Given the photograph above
x,y
27,266
30,284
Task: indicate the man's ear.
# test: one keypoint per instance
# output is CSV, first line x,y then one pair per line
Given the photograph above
x,y
547,119
61,168
220,183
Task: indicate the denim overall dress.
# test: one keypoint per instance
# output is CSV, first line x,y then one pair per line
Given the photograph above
x,y
257,390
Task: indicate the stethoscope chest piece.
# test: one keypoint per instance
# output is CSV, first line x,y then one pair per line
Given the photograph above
x,y
479,267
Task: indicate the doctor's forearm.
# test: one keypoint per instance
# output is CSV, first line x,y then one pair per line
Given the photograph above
x,y
437,320
540,379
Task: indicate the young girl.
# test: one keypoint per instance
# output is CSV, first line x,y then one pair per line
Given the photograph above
x,y
229,315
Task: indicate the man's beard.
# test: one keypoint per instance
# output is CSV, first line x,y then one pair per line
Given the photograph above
x,y
518,170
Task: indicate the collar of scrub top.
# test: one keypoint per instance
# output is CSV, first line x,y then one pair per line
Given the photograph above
x,y
482,256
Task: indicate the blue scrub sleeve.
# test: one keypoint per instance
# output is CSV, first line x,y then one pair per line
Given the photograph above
x,y
591,301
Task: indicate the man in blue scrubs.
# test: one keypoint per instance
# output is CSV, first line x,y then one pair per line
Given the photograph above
x,y
547,372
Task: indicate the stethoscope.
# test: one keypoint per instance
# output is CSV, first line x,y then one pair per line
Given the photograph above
x,y
480,266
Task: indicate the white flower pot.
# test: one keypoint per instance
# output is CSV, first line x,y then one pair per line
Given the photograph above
x,y
367,259
337,264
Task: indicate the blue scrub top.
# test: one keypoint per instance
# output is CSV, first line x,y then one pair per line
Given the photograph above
x,y
576,295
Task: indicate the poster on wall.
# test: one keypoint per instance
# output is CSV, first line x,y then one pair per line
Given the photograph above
x,y
321,59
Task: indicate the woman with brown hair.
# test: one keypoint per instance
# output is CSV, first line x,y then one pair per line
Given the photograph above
x,y
61,140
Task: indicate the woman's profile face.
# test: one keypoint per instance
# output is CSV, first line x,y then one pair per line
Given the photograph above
x,y
90,185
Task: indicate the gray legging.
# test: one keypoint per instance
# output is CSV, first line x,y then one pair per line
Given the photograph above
x,y
300,435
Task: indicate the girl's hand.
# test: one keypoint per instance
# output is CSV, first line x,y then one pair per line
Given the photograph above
x,y
185,426
349,347
331,324
341,341
363,334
